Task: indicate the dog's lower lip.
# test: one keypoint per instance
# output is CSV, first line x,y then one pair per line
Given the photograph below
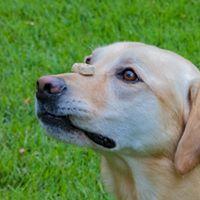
x,y
95,137
101,140
98,138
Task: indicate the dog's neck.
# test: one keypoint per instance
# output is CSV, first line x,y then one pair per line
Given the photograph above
x,y
147,179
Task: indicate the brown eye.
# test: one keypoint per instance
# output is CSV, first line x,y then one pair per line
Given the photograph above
x,y
129,75
88,60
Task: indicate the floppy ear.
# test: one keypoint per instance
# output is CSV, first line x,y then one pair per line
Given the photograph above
x,y
187,155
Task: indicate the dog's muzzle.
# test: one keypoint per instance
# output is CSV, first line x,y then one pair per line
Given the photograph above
x,y
49,90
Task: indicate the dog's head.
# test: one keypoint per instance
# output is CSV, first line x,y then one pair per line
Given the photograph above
x,y
130,98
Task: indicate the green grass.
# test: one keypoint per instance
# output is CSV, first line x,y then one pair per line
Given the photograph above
x,y
40,37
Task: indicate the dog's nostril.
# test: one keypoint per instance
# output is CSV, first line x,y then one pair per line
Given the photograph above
x,y
48,86
54,89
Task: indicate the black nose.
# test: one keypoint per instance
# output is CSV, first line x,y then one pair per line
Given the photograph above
x,y
49,86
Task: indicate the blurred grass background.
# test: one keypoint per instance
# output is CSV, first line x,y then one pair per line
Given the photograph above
x,y
39,37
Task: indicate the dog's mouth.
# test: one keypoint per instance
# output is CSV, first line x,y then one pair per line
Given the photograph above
x,y
65,123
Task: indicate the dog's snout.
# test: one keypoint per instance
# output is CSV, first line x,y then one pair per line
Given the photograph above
x,y
48,86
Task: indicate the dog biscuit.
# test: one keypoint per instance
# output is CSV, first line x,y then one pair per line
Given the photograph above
x,y
83,68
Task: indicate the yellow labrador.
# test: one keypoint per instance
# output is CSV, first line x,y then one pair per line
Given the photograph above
x,y
139,106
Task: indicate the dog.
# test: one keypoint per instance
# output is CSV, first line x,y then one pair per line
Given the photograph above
x,y
139,107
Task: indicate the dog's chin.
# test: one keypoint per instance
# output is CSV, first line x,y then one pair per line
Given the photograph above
x,y
62,128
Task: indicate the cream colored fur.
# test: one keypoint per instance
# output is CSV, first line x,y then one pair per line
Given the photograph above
x,y
146,119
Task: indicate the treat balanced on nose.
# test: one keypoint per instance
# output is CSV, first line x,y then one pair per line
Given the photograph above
x,y
83,69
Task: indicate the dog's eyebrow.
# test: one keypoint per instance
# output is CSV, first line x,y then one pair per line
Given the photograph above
x,y
139,67
125,61
130,62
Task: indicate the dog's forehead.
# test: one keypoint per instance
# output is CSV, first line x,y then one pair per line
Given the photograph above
x,y
109,53
160,69
148,60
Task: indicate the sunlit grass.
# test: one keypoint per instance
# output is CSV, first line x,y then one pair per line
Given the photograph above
x,y
43,37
